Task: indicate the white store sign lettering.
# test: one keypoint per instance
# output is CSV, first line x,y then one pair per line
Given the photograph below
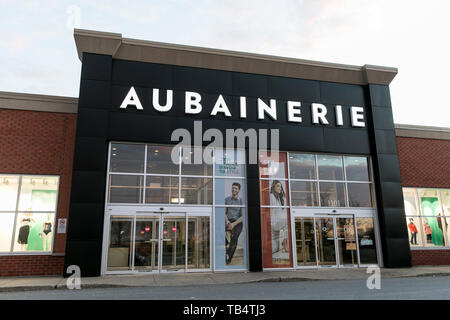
x,y
193,105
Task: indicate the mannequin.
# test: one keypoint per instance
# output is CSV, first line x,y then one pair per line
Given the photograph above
x,y
46,233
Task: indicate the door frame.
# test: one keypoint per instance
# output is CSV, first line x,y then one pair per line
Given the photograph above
x,y
133,212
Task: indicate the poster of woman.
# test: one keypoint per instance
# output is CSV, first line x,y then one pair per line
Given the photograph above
x,y
279,223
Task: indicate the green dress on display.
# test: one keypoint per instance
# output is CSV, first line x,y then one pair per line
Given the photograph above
x,y
430,207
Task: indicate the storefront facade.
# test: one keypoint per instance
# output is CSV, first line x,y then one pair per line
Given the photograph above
x,y
329,200
330,196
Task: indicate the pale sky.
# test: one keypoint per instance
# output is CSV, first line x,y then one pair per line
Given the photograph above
x,y
38,53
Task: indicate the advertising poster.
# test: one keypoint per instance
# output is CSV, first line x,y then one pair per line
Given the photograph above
x,y
275,220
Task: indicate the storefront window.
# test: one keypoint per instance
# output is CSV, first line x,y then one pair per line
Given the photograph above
x,y
332,194
159,160
302,166
189,167
9,186
161,189
410,200
127,158
29,202
360,195
428,208
304,194
356,168
126,189
330,167
196,191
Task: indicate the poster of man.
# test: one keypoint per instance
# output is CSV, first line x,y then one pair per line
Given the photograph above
x,y
233,221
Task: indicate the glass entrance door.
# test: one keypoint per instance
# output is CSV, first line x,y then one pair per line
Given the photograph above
x,y
305,241
326,241
146,244
159,242
173,243
346,241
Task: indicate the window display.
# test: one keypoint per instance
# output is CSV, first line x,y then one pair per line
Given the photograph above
x,y
432,221
410,200
426,216
31,201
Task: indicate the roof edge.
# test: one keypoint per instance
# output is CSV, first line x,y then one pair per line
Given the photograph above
x,y
38,102
114,44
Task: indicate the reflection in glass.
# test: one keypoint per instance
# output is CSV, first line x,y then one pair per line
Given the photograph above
x,y
304,193
302,166
6,230
272,165
8,192
198,243
332,194
38,193
360,194
279,227
120,245
173,243
159,160
409,196
346,241
125,189
445,199
162,190
188,165
414,231
305,242
366,239
127,158
326,253
230,163
146,243
357,168
196,190
330,167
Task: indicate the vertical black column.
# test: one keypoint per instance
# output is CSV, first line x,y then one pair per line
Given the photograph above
x,y
86,213
254,216
394,234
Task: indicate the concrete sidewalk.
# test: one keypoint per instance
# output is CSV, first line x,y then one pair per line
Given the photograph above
x,y
188,279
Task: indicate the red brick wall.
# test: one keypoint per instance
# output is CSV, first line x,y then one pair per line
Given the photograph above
x,y
38,143
430,257
45,265
424,162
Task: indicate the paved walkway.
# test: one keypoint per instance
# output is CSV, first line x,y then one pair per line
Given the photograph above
x,y
186,279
